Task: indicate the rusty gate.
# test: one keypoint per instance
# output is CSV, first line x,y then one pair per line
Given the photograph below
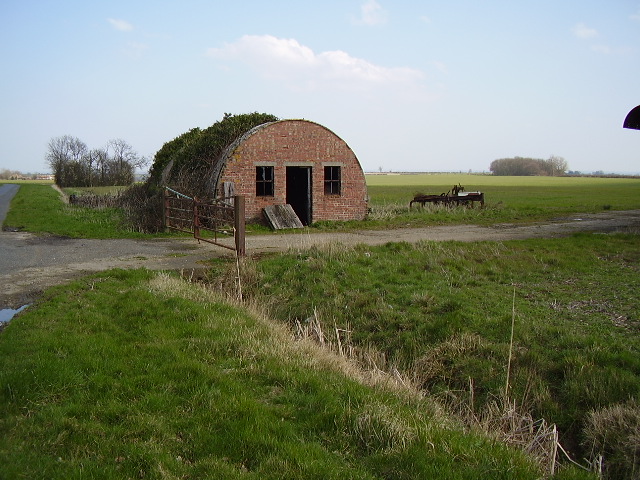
x,y
195,216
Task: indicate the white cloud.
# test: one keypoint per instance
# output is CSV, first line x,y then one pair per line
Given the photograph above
x,y
121,25
372,13
582,31
635,16
425,19
303,69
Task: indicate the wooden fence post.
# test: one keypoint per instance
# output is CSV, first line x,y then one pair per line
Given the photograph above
x,y
165,206
239,224
196,219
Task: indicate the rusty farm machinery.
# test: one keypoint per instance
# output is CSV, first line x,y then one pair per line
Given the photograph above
x,y
454,197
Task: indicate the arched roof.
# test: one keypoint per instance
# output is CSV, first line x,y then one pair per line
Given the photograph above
x,y
221,161
633,119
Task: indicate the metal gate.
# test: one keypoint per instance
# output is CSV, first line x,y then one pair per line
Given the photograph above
x,y
192,215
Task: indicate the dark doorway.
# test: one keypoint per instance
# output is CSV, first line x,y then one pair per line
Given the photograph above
x,y
299,192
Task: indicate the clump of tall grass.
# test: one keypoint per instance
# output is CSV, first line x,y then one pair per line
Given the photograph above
x,y
386,211
612,438
377,427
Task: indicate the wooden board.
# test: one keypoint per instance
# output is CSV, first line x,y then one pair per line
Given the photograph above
x,y
282,216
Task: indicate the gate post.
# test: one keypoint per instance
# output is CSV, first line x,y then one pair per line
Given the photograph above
x,y
196,219
165,206
239,225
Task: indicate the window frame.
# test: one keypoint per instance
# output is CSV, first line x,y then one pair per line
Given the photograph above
x,y
265,181
333,182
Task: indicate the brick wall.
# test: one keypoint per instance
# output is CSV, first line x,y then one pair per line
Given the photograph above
x,y
297,143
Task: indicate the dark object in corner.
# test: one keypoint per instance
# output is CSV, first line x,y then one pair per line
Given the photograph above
x,y
633,119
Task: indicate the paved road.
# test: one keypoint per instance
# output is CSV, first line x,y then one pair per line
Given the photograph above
x,y
7,192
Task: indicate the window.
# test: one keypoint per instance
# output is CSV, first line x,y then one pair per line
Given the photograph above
x,y
264,181
332,180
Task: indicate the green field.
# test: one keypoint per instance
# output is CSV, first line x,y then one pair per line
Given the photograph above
x,y
38,208
521,198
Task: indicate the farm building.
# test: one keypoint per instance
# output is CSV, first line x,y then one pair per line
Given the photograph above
x,y
295,162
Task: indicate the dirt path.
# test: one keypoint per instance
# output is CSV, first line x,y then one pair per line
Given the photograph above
x,y
30,263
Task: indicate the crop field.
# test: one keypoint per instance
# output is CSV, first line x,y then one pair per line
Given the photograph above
x,y
553,193
507,199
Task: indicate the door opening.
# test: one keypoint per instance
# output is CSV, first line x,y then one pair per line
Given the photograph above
x,y
299,192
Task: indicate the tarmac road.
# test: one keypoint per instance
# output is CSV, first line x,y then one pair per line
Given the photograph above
x,y
7,192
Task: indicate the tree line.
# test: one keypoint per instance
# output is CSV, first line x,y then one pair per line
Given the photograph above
x,y
521,166
6,174
75,165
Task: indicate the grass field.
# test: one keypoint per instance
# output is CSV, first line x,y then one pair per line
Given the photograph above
x,y
139,375
556,194
508,199
38,208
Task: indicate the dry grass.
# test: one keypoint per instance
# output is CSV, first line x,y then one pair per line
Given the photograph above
x,y
389,211
612,435
503,420
508,423
499,418
380,428
365,365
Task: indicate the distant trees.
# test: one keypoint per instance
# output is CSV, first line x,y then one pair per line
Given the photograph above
x,y
75,165
521,166
6,174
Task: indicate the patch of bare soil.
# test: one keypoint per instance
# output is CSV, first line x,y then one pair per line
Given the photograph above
x,y
29,263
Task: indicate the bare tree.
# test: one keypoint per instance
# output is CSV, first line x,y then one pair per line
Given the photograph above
x,y
124,161
100,158
65,155
557,165
6,174
73,164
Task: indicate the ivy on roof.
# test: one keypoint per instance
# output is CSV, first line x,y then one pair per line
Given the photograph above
x,y
194,150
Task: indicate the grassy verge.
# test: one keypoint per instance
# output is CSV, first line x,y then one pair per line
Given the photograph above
x,y
39,209
138,375
442,313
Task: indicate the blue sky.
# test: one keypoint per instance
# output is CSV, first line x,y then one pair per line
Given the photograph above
x,y
409,85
